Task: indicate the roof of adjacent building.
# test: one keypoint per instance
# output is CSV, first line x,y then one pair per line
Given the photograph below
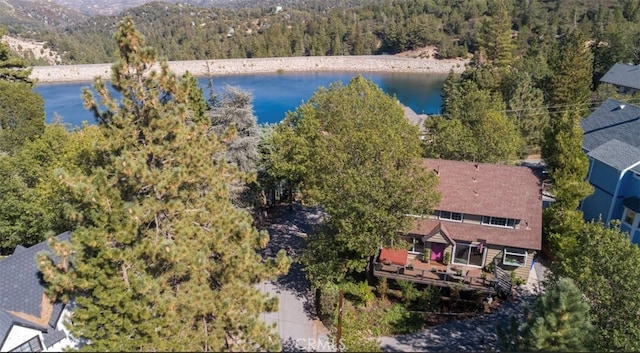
x,y
611,134
22,293
394,256
415,119
623,75
488,190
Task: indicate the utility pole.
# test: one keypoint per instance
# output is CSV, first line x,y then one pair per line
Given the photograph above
x,y
339,335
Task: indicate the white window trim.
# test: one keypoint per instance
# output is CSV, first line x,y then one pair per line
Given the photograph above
x,y
455,248
508,251
451,218
624,217
515,222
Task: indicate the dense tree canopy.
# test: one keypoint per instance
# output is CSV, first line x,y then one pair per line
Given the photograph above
x,y
357,156
605,268
21,109
474,126
32,202
161,259
501,30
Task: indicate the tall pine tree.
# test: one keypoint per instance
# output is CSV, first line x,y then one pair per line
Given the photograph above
x,y
559,322
161,261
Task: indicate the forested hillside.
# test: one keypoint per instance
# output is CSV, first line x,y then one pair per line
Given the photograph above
x,y
357,27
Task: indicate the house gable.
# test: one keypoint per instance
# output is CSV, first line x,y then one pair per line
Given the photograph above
x,y
18,335
439,234
24,305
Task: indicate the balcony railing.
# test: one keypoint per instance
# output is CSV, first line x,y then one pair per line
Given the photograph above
x,y
438,275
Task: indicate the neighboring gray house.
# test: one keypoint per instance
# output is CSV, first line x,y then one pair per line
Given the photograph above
x,y
29,322
416,120
612,142
625,77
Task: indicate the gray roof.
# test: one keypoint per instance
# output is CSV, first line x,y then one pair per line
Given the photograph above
x,y
623,75
617,154
21,290
614,119
415,119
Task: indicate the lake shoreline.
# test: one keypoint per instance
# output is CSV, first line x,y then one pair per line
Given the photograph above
x,y
221,67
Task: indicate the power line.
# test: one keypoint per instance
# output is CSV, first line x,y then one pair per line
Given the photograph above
x,y
544,110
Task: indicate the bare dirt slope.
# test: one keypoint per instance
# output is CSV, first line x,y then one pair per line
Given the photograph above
x,y
29,48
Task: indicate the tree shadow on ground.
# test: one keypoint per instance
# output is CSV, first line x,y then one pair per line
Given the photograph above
x,y
477,334
288,226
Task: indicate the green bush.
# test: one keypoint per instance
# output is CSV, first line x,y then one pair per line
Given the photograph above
x,y
447,257
398,320
329,295
361,293
382,288
409,292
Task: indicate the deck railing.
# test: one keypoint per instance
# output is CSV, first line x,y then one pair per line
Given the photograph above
x,y
426,276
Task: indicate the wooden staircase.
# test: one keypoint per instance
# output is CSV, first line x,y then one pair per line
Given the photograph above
x,y
503,278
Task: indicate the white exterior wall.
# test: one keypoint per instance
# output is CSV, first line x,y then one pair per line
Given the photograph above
x,y
19,335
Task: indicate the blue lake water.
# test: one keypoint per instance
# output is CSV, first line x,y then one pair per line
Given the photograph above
x,y
273,94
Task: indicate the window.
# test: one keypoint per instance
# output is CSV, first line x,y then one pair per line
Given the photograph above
x,y
417,245
514,257
32,345
629,217
469,254
450,216
499,222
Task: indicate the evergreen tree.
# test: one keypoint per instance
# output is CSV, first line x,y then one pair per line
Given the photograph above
x,y
525,105
568,164
21,110
12,68
233,122
572,66
558,322
474,126
606,268
161,260
495,36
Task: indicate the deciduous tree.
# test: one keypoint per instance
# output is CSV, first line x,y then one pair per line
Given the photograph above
x,y
359,158
32,202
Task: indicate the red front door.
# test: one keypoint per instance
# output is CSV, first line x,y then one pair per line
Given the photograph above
x,y
437,251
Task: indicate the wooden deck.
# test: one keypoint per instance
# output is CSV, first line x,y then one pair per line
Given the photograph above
x,y
437,274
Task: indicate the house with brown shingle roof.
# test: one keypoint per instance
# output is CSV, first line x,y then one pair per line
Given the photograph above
x,y
488,213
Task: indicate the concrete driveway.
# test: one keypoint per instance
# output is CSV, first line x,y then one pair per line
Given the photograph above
x,y
295,320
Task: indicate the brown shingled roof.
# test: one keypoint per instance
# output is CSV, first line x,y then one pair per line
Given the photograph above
x,y
489,190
